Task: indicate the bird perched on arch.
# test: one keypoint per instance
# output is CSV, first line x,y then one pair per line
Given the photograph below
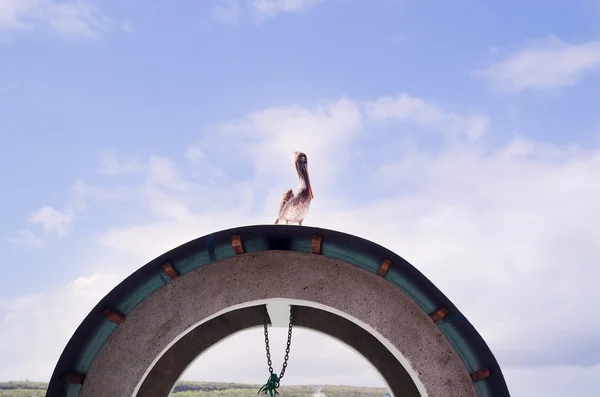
x,y
295,204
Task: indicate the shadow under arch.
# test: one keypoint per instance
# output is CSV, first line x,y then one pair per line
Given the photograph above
x,y
113,348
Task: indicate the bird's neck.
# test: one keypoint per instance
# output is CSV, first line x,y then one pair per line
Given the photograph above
x,y
301,182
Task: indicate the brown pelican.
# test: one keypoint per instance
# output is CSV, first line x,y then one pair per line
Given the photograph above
x,y
295,205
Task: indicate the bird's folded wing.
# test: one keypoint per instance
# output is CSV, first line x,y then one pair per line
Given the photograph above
x,y
286,197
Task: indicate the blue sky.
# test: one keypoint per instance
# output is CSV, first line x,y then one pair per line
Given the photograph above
x,y
468,130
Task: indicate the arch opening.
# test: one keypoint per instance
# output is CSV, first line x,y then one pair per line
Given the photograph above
x,y
160,379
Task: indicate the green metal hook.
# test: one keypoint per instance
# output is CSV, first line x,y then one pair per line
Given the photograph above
x,y
271,386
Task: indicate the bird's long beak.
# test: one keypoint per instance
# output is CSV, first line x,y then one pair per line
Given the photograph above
x,y
308,183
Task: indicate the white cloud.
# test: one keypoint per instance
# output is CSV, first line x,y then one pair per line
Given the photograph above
x,y
228,12
266,139
11,12
68,18
555,381
35,328
82,191
544,64
231,11
210,173
25,237
55,223
162,172
426,114
270,8
111,165
507,233
52,220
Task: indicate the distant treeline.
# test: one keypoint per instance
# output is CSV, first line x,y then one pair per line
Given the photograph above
x,y
23,385
23,389
211,389
209,386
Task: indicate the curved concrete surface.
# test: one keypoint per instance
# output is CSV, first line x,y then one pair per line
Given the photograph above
x,y
171,311
111,357
164,375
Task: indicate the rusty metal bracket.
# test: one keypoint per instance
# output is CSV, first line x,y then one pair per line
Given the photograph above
x,y
316,244
73,378
385,266
480,374
170,270
439,314
236,242
114,316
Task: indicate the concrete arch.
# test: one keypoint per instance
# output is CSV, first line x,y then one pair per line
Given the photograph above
x,y
128,333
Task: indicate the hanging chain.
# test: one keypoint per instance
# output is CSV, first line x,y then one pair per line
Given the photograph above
x,y
287,349
274,380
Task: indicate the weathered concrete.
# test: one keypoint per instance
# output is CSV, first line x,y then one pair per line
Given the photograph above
x,y
163,376
172,311
173,363
363,342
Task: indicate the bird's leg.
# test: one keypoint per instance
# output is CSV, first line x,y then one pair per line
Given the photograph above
x,y
300,223
277,221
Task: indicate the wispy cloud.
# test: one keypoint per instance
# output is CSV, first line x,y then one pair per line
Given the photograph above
x,y
266,9
52,220
68,18
112,165
53,224
228,12
26,238
231,11
17,315
404,107
543,64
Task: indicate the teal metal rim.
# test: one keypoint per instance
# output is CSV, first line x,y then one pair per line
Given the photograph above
x,y
95,329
